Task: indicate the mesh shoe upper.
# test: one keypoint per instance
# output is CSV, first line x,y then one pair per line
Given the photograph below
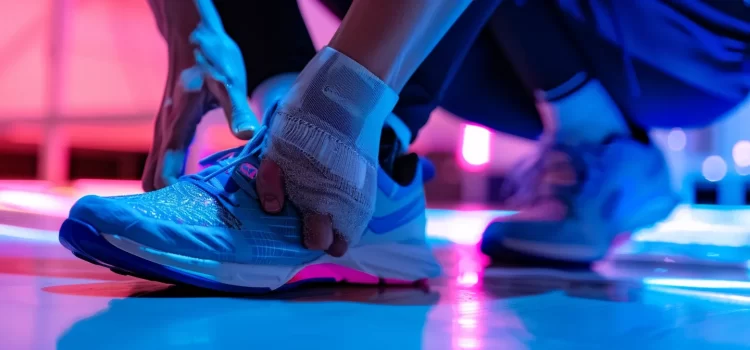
x,y
212,215
183,203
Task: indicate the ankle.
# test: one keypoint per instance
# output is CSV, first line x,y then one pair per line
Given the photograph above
x,y
587,115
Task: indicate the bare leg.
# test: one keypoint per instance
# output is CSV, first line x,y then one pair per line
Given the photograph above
x,y
393,46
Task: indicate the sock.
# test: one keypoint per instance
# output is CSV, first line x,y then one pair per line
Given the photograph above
x,y
401,167
390,149
582,111
325,135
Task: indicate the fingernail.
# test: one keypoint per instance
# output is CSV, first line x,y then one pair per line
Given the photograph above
x,y
270,203
244,129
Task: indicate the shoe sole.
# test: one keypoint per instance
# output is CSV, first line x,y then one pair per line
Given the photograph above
x,y
368,265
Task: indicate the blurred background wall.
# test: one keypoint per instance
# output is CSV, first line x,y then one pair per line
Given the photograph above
x,y
80,82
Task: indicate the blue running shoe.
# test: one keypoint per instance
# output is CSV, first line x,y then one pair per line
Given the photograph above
x,y
573,201
209,231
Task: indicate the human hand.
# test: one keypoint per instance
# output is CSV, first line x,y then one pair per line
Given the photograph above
x,y
221,62
192,88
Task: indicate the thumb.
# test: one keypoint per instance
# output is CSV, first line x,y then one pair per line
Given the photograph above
x,y
243,125
241,118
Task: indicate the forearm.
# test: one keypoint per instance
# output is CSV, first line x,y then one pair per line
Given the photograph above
x,y
391,38
328,126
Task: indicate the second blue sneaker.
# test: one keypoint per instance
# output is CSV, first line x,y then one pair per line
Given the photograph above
x,y
573,201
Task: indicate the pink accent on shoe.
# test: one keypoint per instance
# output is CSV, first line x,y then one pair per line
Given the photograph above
x,y
343,274
248,170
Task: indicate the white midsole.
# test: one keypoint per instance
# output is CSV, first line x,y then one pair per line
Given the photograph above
x,y
392,260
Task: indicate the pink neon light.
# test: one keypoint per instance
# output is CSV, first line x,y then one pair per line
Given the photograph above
x,y
475,147
468,279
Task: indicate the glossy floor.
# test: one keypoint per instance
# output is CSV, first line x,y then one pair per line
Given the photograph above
x,y
682,285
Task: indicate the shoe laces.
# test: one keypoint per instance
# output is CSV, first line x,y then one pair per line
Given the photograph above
x,y
227,160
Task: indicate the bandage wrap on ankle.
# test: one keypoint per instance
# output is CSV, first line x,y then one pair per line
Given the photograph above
x,y
325,135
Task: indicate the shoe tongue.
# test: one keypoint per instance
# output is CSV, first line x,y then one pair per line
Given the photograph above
x,y
219,156
248,169
242,176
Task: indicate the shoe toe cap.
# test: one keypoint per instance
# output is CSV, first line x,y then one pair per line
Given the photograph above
x,y
104,214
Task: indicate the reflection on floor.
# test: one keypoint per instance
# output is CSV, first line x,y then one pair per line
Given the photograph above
x,y
683,284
